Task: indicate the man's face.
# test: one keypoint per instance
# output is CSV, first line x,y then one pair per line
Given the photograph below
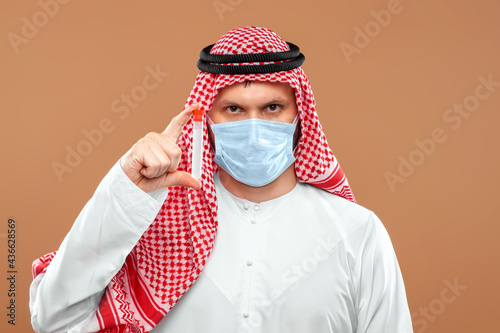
x,y
274,101
270,101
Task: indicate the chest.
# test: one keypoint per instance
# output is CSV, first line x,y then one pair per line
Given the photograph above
x,y
271,269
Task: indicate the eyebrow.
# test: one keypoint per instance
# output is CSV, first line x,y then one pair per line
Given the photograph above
x,y
227,102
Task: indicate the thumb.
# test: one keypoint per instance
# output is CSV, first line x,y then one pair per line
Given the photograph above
x,y
181,178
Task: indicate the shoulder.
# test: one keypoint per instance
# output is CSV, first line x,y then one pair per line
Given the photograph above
x,y
332,203
340,223
335,212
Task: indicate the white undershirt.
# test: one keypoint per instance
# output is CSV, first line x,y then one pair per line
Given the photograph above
x,y
308,261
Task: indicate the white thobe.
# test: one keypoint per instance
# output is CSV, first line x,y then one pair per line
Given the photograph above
x,y
308,261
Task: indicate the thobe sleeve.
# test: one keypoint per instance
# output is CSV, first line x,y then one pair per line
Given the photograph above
x,y
104,233
381,299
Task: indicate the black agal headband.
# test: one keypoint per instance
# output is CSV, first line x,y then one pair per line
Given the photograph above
x,y
216,63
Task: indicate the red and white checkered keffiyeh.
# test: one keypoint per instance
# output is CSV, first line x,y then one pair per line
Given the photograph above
x,y
173,251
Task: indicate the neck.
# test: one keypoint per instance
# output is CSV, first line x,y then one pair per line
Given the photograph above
x,y
280,186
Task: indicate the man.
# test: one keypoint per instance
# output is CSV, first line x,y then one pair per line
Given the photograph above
x,y
270,239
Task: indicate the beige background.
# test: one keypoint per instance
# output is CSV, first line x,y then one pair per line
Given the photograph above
x,y
373,105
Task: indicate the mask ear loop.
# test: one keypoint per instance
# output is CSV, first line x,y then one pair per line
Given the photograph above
x,y
209,121
209,128
296,122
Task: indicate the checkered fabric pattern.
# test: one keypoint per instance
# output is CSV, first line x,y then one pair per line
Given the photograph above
x,y
173,251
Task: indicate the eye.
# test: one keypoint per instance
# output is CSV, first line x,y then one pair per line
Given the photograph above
x,y
273,107
232,109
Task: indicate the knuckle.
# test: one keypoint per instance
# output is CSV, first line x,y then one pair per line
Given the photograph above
x,y
164,139
172,122
177,120
176,152
166,162
150,135
141,145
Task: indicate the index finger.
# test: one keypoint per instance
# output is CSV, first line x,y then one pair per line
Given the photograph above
x,y
174,129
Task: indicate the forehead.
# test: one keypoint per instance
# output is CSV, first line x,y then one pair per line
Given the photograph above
x,y
256,90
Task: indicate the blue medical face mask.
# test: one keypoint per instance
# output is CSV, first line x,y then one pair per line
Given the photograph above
x,y
254,151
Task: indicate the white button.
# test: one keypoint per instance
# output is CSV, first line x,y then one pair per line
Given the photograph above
x,y
256,207
245,315
253,221
246,205
249,263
